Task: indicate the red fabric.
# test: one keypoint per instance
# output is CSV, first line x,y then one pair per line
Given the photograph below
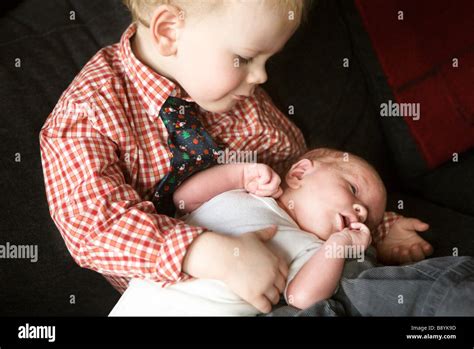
x,y
416,55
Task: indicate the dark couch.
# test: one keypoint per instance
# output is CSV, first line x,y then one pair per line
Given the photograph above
x,y
334,106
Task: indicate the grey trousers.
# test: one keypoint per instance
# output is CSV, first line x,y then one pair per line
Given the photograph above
x,y
442,286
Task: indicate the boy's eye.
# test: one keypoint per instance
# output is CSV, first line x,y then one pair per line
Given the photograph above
x,y
244,60
353,189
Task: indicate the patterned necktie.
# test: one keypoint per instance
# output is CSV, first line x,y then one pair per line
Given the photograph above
x,y
192,149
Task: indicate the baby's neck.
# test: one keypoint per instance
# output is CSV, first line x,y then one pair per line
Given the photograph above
x,y
284,202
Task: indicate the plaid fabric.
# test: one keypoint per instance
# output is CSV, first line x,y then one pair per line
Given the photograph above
x,y
383,229
104,149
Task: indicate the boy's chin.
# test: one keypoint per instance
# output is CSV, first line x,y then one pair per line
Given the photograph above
x,y
218,107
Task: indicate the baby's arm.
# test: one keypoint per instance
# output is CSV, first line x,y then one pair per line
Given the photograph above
x,y
258,179
319,277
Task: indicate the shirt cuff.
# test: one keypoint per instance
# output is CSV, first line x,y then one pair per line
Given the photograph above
x,y
174,249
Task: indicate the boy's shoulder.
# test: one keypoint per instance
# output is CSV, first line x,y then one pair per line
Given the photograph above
x,y
102,73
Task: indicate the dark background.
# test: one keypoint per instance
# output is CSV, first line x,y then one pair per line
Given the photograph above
x,y
334,106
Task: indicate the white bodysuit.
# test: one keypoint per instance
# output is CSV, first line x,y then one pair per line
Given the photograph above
x,y
234,212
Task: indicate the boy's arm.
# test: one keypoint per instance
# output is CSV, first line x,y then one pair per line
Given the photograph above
x,y
258,179
106,225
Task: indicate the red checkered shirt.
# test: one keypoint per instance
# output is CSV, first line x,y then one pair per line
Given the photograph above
x,y
104,149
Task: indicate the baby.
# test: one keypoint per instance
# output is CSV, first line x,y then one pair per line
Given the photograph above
x,y
328,203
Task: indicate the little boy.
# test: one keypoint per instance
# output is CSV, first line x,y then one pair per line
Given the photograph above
x,y
114,150
322,212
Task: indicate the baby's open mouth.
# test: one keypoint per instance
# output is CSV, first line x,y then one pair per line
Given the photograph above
x,y
344,222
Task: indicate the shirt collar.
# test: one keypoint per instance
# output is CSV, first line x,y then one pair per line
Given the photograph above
x,y
153,88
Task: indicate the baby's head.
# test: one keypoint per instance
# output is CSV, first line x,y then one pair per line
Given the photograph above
x,y
325,190
215,50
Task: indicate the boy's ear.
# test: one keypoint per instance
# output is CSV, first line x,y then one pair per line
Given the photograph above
x,y
165,22
297,172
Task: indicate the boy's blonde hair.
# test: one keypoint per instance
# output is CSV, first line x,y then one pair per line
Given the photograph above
x,y
141,8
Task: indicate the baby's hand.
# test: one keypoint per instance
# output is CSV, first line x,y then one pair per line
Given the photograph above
x,y
403,244
357,235
261,180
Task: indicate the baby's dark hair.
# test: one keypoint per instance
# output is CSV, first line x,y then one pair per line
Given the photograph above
x,y
333,157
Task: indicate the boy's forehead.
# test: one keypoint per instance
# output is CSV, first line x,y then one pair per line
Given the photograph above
x,y
259,30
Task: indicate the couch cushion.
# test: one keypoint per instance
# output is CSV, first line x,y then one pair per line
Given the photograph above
x,y
410,167
52,49
437,82
449,185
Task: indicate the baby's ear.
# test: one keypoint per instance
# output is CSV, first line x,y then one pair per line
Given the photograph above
x,y
297,172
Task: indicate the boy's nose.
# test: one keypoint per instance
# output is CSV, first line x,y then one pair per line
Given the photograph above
x,y
257,76
361,212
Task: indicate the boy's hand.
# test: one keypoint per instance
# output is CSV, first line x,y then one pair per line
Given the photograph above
x,y
261,180
256,274
244,263
358,234
403,244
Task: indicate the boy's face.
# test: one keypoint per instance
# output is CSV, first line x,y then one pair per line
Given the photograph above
x,y
329,198
211,52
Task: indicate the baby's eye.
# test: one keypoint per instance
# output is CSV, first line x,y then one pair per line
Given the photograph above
x,y
244,60
353,189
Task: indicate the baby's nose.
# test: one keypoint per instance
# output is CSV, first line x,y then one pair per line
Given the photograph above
x,y
361,212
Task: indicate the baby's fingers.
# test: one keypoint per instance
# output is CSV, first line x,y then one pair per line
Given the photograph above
x,y
360,227
252,187
414,224
271,179
269,189
416,253
427,249
404,256
274,192
264,174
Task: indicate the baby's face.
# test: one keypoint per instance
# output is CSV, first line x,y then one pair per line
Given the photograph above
x,y
330,198
223,55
